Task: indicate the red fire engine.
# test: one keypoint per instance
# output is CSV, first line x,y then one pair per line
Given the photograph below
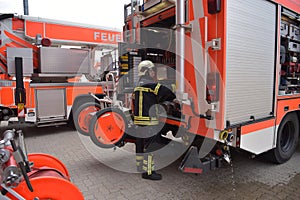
x,y
236,66
40,78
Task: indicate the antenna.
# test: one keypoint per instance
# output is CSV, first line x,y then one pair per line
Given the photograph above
x,y
25,5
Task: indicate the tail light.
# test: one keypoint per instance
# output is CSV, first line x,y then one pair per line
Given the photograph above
x,y
238,142
212,88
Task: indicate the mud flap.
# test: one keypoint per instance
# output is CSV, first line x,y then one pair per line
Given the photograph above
x,y
191,163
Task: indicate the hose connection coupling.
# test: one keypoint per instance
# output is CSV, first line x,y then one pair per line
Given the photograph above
x,y
223,135
226,135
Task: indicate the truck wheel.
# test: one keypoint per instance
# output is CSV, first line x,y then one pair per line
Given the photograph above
x,y
108,127
83,116
287,139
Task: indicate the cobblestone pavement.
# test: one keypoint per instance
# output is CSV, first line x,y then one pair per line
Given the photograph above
x,y
247,179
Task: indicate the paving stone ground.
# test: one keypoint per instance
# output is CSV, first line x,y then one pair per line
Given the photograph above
x,y
246,179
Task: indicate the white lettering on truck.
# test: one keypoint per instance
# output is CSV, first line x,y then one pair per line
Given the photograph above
x,y
107,37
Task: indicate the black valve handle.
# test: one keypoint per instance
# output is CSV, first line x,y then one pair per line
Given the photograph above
x,y
21,165
26,162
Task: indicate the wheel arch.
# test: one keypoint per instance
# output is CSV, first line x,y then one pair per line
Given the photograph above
x,y
84,98
298,114
78,101
275,155
280,120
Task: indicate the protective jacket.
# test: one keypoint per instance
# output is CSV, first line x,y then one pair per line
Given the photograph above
x,y
148,95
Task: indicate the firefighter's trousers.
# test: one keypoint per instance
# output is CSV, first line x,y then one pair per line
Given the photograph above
x,y
144,156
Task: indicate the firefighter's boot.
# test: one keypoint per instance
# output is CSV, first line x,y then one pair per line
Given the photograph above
x,y
153,176
148,166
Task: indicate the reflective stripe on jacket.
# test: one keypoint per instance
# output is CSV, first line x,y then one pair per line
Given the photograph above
x,y
148,95
145,110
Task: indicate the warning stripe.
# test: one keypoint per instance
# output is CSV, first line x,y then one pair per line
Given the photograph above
x,y
257,126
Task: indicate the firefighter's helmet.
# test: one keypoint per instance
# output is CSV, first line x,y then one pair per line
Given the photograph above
x,y
144,66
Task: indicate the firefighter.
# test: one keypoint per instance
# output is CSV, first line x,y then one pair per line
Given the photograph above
x,y
148,94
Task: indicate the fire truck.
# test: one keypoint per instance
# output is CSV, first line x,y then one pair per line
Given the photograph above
x,y
43,65
236,67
